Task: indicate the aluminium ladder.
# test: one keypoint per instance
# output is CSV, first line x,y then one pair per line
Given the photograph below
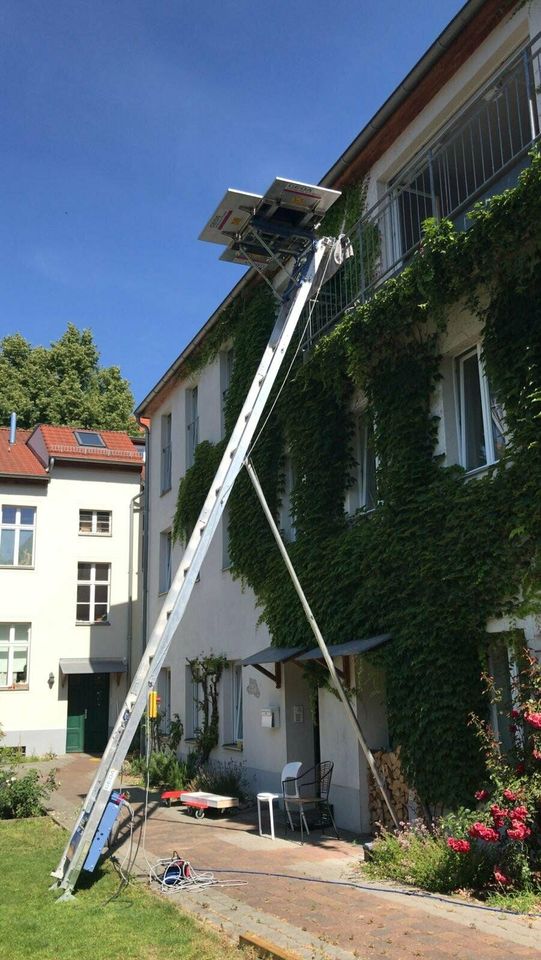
x,y
308,274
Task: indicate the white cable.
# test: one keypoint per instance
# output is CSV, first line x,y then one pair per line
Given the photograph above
x,y
311,309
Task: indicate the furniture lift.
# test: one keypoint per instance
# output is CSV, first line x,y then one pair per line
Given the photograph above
x,y
277,230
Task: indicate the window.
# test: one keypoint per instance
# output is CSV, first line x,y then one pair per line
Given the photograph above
x,y
95,522
17,536
93,583
165,468
287,522
192,425
481,423
194,710
165,561
226,559
14,644
237,703
88,438
227,359
362,493
503,669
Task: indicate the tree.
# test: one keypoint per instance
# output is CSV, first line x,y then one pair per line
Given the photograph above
x,y
63,384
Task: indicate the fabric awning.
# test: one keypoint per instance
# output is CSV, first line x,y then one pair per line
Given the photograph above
x,y
345,649
93,665
272,655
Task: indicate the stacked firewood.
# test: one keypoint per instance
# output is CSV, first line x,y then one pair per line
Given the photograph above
x,y
400,795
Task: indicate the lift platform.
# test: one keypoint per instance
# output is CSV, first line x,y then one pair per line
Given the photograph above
x,y
275,231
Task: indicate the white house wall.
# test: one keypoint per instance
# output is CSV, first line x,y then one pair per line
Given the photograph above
x,y
45,596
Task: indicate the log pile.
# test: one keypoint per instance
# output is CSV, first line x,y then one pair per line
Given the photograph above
x,y
388,764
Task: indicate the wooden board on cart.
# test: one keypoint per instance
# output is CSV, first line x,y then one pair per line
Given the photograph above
x,y
200,801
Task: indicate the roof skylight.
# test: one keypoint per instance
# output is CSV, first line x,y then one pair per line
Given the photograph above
x,y
89,438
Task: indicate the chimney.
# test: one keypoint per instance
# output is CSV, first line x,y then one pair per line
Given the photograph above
x,y
12,429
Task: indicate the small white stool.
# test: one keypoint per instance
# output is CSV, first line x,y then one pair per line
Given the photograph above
x,y
267,798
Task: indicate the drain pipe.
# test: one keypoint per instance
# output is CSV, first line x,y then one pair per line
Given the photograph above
x,y
352,716
131,539
146,535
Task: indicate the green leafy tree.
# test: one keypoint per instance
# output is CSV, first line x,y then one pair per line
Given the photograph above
x,y
62,384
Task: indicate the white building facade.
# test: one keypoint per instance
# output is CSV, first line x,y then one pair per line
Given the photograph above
x,y
70,623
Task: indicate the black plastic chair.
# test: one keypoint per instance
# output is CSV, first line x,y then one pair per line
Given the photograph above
x,y
309,790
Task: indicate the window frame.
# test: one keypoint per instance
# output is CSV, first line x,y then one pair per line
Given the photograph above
x,y
486,401
79,434
192,423
94,532
166,454
17,526
237,703
165,562
12,646
93,583
363,432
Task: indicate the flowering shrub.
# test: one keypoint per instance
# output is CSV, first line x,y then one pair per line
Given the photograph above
x,y
495,845
24,796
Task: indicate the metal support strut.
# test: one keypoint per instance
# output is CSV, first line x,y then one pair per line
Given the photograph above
x,y
352,716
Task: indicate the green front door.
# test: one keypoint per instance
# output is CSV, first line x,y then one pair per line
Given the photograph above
x,y
88,712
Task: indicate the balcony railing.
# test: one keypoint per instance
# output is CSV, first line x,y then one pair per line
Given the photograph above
x,y
480,152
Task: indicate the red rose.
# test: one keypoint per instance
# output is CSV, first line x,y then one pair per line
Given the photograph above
x,y
481,795
500,877
518,831
520,768
510,795
515,714
534,719
519,813
459,846
536,754
482,832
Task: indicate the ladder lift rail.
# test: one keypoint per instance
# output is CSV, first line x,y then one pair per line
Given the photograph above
x,y
179,593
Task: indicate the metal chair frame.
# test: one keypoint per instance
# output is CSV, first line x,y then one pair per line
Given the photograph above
x,y
308,789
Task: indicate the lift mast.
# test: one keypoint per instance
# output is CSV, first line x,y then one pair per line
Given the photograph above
x,y
276,230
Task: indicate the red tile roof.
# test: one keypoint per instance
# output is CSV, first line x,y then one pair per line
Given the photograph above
x,y
19,460
61,443
22,460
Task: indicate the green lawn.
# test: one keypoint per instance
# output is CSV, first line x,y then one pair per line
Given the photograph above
x,y
137,926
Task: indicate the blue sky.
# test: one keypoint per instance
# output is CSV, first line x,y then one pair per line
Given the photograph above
x,y
122,124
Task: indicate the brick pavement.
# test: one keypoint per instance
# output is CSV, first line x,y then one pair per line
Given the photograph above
x,y
314,920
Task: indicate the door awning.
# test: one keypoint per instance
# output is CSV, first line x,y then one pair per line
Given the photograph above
x,y
345,649
272,655
93,665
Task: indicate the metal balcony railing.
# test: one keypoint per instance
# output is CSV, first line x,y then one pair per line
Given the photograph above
x,y
478,153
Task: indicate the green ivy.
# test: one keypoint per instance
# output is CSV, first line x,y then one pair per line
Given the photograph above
x,y
439,555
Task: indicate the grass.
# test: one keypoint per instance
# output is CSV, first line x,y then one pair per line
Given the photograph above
x,y
136,926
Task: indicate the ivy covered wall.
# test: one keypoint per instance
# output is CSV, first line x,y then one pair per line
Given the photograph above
x,y
440,555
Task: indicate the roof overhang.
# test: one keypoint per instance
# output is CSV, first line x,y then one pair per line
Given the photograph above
x,y
272,655
71,665
347,649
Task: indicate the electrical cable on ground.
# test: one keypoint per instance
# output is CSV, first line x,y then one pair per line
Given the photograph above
x,y
373,889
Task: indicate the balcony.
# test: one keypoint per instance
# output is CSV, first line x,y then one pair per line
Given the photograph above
x,y
480,152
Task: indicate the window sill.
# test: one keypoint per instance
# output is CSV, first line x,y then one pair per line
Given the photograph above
x,y
92,623
167,490
190,740
16,566
480,471
82,533
16,686
237,747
